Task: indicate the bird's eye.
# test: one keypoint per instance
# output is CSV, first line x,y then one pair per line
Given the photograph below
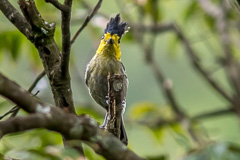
x,y
102,37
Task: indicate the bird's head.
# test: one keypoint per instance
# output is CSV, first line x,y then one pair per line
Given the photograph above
x,y
110,43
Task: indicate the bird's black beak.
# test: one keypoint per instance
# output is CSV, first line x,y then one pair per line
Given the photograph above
x,y
110,41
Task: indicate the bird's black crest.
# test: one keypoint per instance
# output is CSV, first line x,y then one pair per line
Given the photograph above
x,y
115,27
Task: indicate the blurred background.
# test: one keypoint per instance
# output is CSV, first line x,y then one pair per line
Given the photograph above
x,y
173,110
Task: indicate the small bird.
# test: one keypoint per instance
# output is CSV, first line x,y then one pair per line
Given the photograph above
x,y
108,60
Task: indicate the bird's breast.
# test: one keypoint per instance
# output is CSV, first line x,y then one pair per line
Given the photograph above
x,y
97,71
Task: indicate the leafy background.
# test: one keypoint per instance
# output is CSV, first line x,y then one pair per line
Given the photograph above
x,y
19,60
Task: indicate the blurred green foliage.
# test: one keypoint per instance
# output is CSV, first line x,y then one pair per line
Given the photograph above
x,y
20,61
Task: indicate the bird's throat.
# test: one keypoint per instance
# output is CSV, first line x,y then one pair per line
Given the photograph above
x,y
109,50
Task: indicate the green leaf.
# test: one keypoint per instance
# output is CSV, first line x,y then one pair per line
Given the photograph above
x,y
234,148
70,152
89,111
15,47
11,41
159,134
1,156
128,37
181,135
140,110
210,21
191,10
34,56
90,154
173,46
44,154
161,157
152,8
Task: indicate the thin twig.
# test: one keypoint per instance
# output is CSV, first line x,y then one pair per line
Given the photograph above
x,y
58,5
87,20
164,122
15,112
15,109
89,7
9,112
228,110
39,77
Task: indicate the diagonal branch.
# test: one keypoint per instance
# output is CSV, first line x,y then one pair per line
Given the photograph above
x,y
202,116
13,110
35,82
195,60
210,8
223,30
75,128
53,118
39,77
159,75
166,86
87,20
19,96
228,110
16,18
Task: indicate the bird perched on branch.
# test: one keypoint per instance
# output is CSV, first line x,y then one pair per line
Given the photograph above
x,y
107,60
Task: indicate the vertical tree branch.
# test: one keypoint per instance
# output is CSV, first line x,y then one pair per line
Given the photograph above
x,y
116,98
66,37
49,52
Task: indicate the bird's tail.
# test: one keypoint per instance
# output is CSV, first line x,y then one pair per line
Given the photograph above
x,y
123,134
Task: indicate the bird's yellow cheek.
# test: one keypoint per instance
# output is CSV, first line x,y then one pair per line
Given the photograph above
x,y
115,37
107,36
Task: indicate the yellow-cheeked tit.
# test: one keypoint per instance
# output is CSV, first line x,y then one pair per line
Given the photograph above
x,y
107,60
